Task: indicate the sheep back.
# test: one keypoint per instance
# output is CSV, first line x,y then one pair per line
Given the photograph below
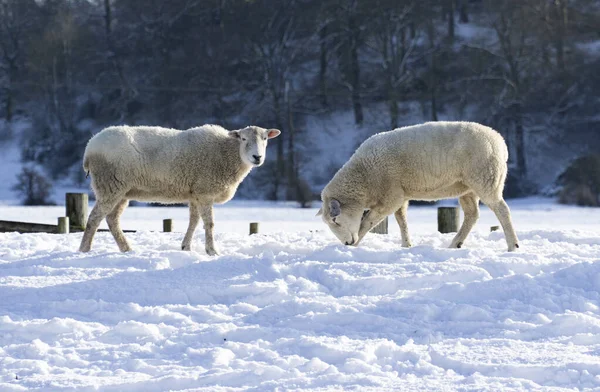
x,y
429,161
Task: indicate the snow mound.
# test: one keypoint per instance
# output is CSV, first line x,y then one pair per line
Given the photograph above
x,y
297,311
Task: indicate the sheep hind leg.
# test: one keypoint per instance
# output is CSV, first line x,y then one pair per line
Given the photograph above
x,y
400,216
194,220
470,206
114,224
99,212
502,212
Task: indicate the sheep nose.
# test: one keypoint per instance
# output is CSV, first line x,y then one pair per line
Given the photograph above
x,y
257,157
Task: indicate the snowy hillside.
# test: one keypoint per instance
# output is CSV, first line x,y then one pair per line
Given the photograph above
x,y
10,162
291,309
10,167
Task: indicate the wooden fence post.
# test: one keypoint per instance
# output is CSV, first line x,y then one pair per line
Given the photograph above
x,y
448,218
63,225
382,227
253,228
77,210
167,225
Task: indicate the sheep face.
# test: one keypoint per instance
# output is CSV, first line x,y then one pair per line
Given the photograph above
x,y
343,220
253,143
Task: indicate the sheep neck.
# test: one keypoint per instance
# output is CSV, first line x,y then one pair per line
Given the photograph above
x,y
232,163
349,185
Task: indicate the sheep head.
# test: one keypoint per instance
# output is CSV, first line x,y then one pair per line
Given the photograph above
x,y
253,143
343,219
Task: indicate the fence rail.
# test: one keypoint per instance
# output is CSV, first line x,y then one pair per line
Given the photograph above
x,y
76,213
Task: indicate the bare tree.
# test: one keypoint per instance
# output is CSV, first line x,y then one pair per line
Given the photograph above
x,y
518,55
463,10
16,22
278,45
126,92
33,187
394,44
348,38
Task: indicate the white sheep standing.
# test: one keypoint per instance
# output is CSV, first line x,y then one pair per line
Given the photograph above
x,y
430,161
201,166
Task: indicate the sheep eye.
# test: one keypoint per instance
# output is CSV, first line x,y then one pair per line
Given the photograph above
x,y
244,139
264,138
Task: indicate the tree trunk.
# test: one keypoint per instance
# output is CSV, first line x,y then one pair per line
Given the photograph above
x,y
355,71
559,40
126,93
520,140
107,20
450,16
165,96
463,11
433,98
292,188
432,70
8,104
323,66
280,171
393,108
412,30
560,53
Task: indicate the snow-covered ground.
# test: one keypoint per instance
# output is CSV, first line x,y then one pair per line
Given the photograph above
x,y
291,309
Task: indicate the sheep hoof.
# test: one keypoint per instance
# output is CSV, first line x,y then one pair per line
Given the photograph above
x,y
212,252
512,249
186,247
458,245
406,245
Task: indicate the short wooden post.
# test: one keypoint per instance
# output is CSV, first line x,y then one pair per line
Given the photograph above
x,y
77,210
253,228
494,228
63,225
167,225
382,227
448,218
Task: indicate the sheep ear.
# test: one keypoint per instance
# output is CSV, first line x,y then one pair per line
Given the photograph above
x,y
365,213
234,134
320,212
273,133
334,208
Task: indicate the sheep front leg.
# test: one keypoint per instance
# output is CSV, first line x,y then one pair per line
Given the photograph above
x,y
208,218
194,219
370,220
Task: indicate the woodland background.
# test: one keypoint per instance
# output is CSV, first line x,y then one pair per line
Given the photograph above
x,y
328,73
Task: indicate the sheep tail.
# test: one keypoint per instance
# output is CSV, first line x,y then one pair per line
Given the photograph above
x,y
86,166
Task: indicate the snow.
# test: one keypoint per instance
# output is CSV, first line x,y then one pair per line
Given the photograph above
x,y
292,309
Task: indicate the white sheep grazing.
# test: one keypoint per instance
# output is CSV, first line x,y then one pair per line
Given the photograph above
x,y
201,166
430,161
